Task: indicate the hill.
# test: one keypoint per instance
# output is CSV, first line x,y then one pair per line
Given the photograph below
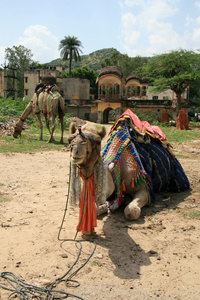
x,y
92,60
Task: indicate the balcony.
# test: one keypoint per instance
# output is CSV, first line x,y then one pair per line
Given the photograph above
x,y
135,103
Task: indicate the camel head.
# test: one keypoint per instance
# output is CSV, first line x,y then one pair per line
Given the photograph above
x,y
18,129
85,144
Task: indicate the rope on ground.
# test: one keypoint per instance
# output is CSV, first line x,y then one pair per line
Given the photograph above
x,y
25,291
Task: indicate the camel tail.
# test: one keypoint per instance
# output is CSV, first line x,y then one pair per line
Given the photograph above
x,y
61,106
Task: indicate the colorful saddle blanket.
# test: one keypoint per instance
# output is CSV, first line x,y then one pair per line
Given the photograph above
x,y
151,162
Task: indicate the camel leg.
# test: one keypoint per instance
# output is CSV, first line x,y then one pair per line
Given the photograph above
x,y
48,127
51,139
62,128
101,209
133,209
41,127
47,124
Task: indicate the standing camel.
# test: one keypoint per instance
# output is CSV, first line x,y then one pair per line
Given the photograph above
x,y
50,103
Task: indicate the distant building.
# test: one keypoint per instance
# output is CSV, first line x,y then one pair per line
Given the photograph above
x,y
33,76
115,93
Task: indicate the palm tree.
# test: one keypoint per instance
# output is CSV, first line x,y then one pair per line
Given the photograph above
x,y
70,48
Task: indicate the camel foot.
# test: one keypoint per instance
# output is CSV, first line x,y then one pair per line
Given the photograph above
x,y
101,209
132,212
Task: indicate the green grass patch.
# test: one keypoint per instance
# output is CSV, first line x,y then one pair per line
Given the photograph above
x,y
174,135
29,142
96,263
193,215
4,198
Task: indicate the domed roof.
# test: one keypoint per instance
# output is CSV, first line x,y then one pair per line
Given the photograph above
x,y
134,76
48,79
110,70
145,80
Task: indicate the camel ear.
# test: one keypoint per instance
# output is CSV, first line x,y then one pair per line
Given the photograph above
x,y
102,132
72,128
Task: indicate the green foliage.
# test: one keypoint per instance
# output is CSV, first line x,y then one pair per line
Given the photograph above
x,y
70,48
175,70
20,58
92,60
128,65
14,108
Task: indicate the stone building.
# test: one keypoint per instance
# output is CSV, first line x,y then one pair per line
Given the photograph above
x,y
33,76
115,92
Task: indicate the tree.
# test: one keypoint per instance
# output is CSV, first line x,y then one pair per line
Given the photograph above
x,y
20,58
176,70
70,48
128,65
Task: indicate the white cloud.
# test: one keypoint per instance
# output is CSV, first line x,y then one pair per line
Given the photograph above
x,y
42,43
196,32
149,29
129,34
131,3
197,4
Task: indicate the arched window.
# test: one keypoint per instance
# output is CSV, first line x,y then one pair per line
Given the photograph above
x,y
144,90
117,89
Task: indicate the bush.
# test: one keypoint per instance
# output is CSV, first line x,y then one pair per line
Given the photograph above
x,y
10,107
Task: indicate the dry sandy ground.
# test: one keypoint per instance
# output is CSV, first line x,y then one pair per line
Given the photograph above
x,y
156,256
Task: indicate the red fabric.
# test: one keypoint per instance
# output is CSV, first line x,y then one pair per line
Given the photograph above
x,y
140,125
89,218
155,130
158,132
136,121
148,127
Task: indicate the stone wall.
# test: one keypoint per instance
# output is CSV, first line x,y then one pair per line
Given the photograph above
x,y
71,87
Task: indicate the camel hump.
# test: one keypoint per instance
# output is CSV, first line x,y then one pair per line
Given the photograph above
x,y
102,132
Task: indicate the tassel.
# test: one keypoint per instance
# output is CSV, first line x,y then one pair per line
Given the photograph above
x,y
132,184
123,187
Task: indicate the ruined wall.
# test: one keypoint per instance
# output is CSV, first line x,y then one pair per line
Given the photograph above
x,y
73,87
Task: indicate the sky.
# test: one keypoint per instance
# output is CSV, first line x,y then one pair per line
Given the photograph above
x,y
133,27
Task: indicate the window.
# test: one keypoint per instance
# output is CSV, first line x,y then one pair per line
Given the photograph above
x,y
26,92
155,97
26,79
165,98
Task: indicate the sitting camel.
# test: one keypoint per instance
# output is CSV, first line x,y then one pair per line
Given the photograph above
x,y
125,166
50,103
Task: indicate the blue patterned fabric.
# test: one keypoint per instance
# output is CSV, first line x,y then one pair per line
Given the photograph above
x,y
166,173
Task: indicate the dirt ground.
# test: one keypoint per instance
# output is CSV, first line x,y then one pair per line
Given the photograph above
x,y
155,256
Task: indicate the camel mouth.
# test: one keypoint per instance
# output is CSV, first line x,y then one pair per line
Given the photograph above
x,y
77,160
